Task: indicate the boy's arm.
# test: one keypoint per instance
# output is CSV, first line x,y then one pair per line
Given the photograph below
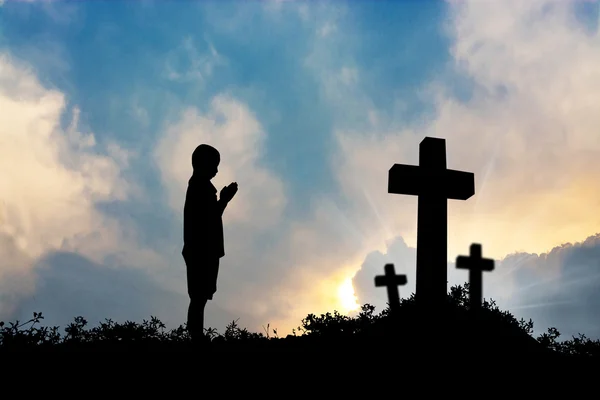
x,y
207,205
221,205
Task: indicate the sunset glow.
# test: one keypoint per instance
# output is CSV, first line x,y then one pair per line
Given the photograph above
x,y
347,298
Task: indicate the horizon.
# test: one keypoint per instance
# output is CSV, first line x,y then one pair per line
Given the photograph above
x,y
310,104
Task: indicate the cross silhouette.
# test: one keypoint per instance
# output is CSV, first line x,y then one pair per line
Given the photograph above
x,y
434,184
391,281
476,265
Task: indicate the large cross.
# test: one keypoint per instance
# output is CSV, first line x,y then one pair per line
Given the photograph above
x,y
434,184
476,265
392,281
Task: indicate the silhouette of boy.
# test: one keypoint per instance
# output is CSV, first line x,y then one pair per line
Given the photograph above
x,y
203,243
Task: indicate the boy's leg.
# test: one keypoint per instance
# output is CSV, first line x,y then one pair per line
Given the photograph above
x,y
196,318
201,279
195,309
191,320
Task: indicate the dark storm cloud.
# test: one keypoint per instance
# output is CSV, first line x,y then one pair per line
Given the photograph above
x,y
70,285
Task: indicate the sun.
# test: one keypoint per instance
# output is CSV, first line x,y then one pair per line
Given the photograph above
x,y
347,298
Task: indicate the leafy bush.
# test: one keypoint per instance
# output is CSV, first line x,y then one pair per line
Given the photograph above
x,y
153,334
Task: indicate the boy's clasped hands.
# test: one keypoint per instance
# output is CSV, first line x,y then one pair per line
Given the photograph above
x,y
229,191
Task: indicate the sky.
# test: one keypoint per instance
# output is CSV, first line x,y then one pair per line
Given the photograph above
x,y
310,104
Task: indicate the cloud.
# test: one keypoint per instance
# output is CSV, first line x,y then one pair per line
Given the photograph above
x,y
15,276
65,14
186,64
567,299
71,285
51,180
278,7
333,61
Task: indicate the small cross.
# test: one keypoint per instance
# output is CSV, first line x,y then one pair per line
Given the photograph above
x,y
392,281
476,265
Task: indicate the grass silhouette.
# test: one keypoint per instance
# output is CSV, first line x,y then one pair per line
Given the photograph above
x,y
486,332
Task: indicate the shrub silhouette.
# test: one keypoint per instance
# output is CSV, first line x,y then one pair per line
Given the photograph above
x,y
326,329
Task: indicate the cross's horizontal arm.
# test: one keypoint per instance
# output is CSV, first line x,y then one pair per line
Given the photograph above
x,y
487,264
459,185
465,262
414,180
405,179
382,280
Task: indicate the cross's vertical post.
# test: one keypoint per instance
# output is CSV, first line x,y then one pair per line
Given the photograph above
x,y
476,265
391,281
432,225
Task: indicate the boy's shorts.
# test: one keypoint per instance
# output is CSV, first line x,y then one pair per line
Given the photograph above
x,y
202,275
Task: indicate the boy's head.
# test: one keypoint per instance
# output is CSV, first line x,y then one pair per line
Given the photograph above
x,y
205,160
